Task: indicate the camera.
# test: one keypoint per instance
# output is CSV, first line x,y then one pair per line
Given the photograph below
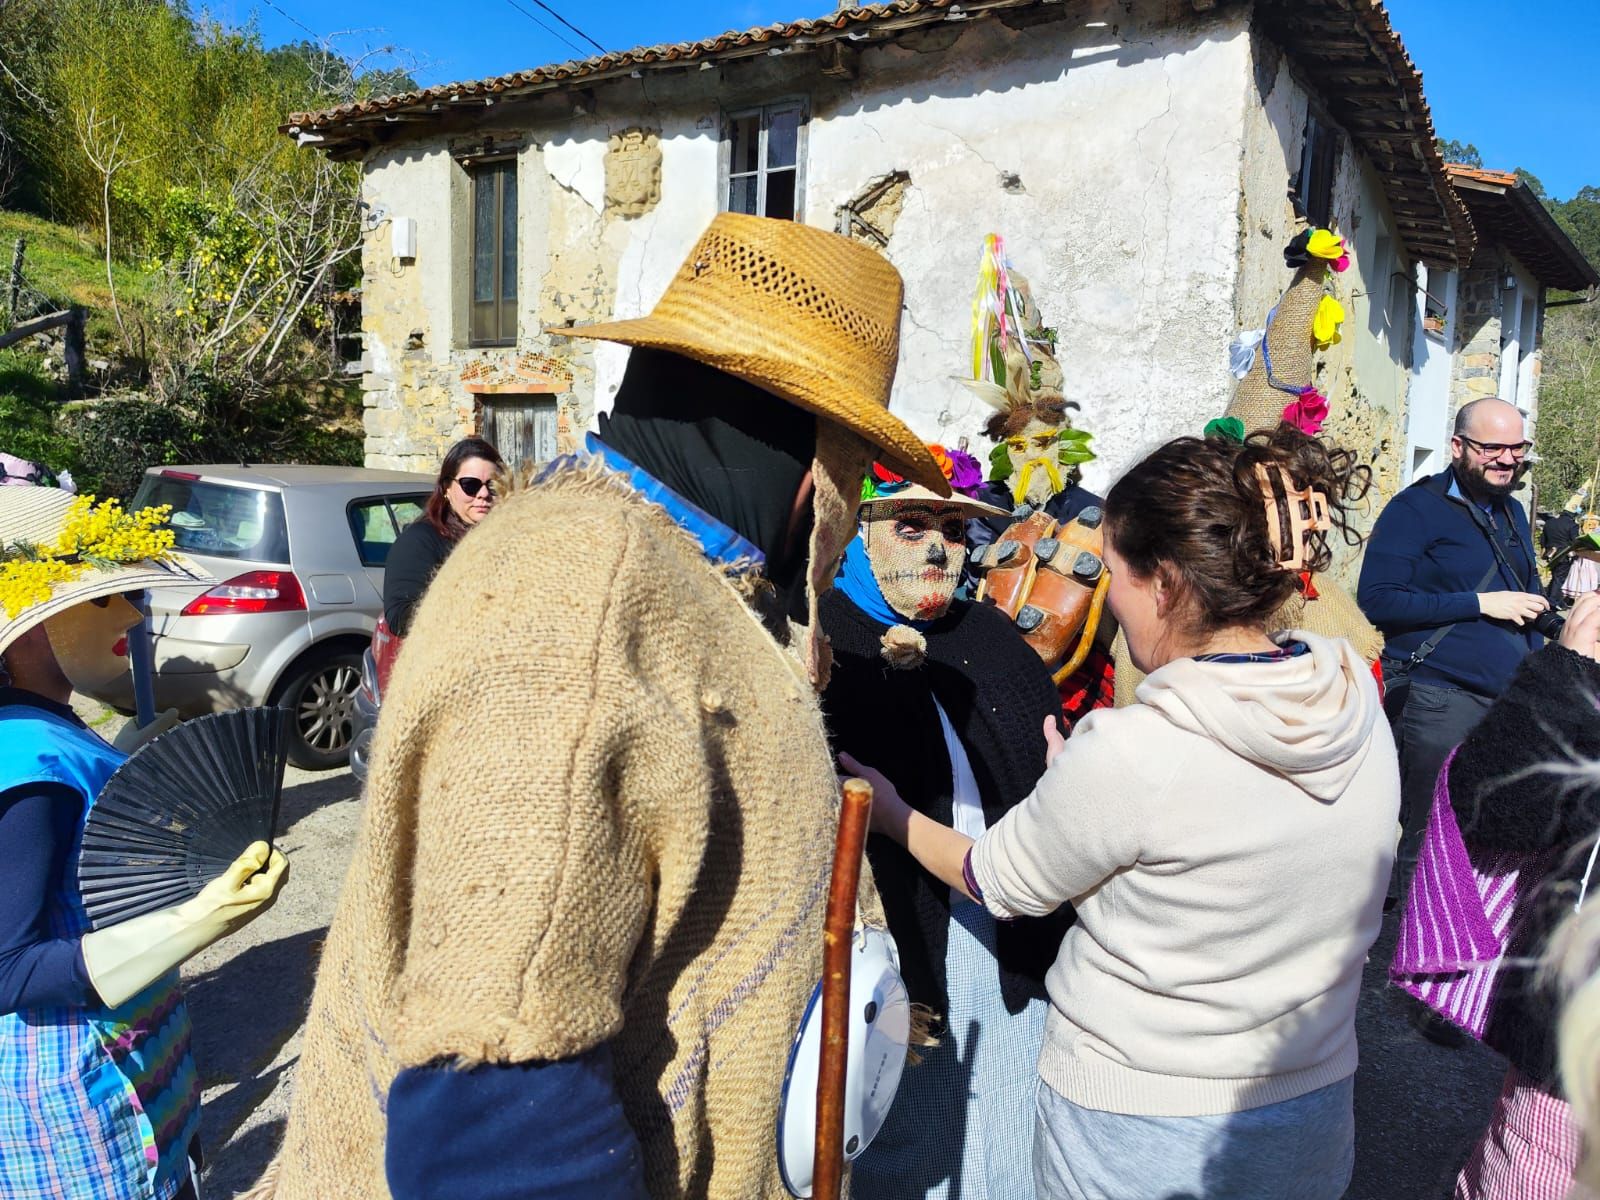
x,y
1549,623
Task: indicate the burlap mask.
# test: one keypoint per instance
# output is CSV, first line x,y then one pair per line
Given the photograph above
x,y
841,464
917,549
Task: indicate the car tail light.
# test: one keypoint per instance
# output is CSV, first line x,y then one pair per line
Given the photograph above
x,y
169,473
252,592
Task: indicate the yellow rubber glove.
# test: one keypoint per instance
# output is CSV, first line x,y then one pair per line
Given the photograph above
x,y
127,958
133,735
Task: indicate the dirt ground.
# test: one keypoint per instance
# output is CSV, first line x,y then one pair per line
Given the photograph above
x,y
1419,1107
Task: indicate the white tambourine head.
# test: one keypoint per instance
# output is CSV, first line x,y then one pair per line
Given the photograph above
x,y
880,1031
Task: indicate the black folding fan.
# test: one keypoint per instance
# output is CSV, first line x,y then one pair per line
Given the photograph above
x,y
180,810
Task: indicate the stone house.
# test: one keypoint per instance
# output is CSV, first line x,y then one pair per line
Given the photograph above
x,y
1144,160
1484,325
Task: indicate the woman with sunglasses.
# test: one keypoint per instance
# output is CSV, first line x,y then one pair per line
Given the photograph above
x,y
462,496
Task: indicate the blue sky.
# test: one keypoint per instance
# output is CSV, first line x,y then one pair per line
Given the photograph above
x,y
1515,79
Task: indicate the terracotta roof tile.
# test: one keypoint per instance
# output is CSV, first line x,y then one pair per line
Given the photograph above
x,y
576,70
1348,48
1506,212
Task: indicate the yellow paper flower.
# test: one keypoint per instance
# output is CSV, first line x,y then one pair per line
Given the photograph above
x,y
1325,324
1324,243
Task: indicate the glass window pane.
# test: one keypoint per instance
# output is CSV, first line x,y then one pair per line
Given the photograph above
x,y
780,194
783,137
373,530
742,195
407,511
508,231
483,229
744,135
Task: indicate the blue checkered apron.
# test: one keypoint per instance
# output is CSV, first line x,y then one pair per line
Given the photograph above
x,y
100,1103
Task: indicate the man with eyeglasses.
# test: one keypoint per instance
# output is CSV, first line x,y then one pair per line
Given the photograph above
x,y
1450,577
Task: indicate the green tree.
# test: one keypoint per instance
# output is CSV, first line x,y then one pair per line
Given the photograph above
x,y
1568,431
1453,151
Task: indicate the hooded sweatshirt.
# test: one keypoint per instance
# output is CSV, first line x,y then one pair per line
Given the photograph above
x,y
1227,843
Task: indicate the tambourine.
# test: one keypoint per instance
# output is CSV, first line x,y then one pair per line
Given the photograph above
x,y
880,1032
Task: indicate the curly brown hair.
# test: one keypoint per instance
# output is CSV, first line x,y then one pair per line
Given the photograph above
x,y
1193,512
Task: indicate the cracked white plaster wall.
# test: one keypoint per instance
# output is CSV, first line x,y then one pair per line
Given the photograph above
x,y
1128,154
656,243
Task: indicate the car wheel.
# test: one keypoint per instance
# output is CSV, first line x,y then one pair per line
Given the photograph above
x,y
321,699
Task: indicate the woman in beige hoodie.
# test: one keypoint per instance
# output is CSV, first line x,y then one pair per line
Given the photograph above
x,y
1226,841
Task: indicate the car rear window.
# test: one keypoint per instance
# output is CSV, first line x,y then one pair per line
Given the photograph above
x,y
219,519
376,522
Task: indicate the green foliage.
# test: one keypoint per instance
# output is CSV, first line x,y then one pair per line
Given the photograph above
x,y
118,438
1568,432
1453,151
29,409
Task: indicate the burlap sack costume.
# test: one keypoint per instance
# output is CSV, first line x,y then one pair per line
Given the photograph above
x,y
1257,404
601,810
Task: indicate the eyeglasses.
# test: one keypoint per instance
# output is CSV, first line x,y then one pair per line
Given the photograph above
x,y
472,486
1519,450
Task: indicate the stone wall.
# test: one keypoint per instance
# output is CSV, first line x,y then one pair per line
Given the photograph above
x,y
1363,375
1478,305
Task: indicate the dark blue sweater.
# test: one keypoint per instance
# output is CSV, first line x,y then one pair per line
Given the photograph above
x,y
1427,555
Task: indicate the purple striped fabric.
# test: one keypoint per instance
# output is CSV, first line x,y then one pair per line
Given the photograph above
x,y
1457,916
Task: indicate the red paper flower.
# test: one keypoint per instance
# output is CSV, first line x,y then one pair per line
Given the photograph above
x,y
1308,413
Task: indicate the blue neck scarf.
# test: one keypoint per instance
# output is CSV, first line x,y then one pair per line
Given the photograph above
x,y
720,544
860,586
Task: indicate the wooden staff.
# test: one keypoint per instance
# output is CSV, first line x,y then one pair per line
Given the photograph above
x,y
838,932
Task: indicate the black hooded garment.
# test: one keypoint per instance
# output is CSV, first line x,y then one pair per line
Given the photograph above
x,y
997,694
727,446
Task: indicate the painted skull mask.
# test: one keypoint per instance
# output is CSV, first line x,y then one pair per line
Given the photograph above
x,y
917,549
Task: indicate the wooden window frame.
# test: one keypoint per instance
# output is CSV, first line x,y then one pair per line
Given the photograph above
x,y
499,304
725,173
1320,149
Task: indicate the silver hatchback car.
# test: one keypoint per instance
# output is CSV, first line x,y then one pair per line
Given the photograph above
x,y
298,553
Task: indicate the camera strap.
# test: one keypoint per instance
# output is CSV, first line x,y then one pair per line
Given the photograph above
x,y
1404,666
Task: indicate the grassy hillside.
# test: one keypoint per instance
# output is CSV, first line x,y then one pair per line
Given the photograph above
x,y
63,266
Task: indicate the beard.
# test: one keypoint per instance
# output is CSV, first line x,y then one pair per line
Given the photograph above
x,y
1476,480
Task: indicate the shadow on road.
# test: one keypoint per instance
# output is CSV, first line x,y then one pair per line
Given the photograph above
x,y
300,800
244,1011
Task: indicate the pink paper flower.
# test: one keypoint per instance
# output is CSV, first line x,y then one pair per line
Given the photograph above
x,y
1308,413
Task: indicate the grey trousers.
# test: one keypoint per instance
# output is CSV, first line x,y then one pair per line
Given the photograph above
x,y
1434,721
1301,1149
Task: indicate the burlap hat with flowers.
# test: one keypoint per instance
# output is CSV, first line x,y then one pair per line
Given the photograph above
x,y
57,550
812,317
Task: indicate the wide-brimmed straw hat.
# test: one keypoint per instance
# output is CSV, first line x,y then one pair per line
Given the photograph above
x,y
812,317
36,516
913,492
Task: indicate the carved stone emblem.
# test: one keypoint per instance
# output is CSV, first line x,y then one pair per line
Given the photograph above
x,y
633,172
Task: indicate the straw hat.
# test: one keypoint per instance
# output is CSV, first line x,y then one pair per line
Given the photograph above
x,y
37,515
812,317
915,491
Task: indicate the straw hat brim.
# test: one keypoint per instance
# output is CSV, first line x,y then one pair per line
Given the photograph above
x,y
36,515
892,440
94,584
973,508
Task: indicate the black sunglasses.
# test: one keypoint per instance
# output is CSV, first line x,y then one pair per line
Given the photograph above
x,y
472,486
